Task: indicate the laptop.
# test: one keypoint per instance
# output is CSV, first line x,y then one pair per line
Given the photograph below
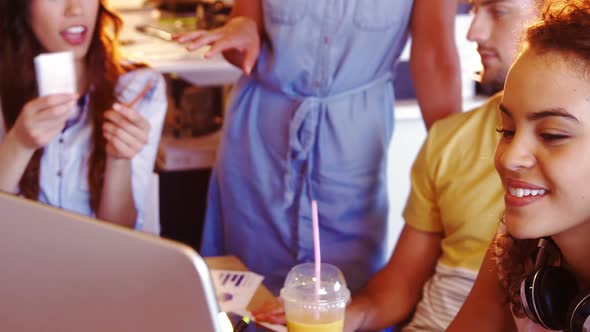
x,y
64,272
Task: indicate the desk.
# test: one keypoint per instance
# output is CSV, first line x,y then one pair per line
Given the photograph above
x,y
233,263
170,57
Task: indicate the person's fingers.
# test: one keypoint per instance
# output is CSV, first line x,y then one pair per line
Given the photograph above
x,y
269,318
56,113
271,311
54,100
269,305
223,44
277,319
110,150
185,37
40,135
132,122
110,131
42,119
49,106
204,40
49,131
118,147
250,57
132,116
275,311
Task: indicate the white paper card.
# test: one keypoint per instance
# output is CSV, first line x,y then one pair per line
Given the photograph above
x,y
234,289
55,73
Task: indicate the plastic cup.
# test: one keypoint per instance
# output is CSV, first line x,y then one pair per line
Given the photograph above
x,y
310,313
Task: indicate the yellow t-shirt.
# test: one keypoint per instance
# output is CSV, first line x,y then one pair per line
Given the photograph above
x,y
456,192
455,187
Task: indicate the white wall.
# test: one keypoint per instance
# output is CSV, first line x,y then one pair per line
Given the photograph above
x,y
408,135
409,132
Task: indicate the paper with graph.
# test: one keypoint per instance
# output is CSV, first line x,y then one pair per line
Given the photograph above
x,y
234,289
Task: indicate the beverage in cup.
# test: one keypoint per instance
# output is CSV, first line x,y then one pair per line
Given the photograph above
x,y
312,309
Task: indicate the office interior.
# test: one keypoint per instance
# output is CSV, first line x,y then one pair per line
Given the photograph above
x,y
197,90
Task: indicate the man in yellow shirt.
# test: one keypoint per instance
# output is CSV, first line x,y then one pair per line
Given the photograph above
x,y
456,199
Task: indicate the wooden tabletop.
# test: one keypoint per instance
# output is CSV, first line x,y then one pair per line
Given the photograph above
x,y
261,295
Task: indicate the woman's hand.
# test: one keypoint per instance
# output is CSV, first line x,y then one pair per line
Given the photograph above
x,y
238,39
42,119
126,132
271,311
353,319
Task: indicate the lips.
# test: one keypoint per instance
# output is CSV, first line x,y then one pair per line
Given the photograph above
x,y
519,193
74,35
487,55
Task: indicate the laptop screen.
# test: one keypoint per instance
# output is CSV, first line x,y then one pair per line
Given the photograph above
x,y
65,272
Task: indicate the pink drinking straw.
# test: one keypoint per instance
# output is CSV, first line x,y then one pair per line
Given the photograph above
x,y
316,249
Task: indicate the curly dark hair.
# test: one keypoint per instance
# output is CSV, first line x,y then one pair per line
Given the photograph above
x,y
563,28
515,259
19,46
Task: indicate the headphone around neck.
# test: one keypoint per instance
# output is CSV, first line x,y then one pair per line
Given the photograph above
x,y
549,297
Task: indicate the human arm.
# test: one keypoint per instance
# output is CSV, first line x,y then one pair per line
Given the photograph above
x,y
126,132
238,40
403,278
37,124
251,9
485,309
132,136
392,294
116,201
434,60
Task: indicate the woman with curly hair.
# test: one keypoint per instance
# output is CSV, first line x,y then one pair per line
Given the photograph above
x,y
537,275
92,152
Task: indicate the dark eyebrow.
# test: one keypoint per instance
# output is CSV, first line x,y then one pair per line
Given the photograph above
x,y
558,111
504,110
552,112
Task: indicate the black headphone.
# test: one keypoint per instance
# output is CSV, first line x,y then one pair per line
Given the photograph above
x,y
549,297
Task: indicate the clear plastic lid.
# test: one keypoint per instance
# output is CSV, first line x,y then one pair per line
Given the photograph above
x,y
299,287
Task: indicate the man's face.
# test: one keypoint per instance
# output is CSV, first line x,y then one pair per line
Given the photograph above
x,y
497,27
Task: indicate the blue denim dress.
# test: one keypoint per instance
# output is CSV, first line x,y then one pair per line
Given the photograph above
x,y
314,121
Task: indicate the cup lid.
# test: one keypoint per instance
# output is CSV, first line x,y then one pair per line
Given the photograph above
x,y
299,286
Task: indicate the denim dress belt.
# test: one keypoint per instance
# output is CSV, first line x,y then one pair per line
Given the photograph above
x,y
303,131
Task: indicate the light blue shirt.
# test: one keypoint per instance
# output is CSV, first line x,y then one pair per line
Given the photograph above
x,y
64,165
313,122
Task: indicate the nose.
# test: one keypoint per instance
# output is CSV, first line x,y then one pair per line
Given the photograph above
x,y
515,155
73,8
479,30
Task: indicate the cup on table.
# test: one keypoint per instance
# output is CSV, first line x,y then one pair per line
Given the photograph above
x,y
306,311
